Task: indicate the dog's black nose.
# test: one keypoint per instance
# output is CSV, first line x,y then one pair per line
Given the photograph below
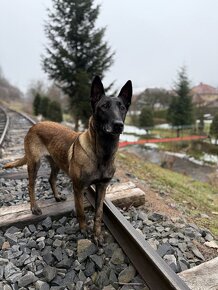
x,y
118,126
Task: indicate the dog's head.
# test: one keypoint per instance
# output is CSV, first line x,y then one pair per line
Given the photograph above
x,y
109,112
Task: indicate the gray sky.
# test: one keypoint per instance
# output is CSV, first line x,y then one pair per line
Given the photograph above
x,y
152,39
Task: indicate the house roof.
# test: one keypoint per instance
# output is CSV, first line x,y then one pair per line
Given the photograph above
x,y
204,89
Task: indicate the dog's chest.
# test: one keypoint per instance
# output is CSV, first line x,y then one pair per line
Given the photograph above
x,y
106,171
100,172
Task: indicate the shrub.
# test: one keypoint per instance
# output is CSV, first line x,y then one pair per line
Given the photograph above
x,y
54,112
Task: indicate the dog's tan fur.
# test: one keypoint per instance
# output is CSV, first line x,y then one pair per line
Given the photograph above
x,y
87,158
77,154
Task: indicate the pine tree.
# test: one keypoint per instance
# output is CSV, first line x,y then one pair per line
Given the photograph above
x,y
76,52
43,107
54,112
214,128
181,111
146,119
36,104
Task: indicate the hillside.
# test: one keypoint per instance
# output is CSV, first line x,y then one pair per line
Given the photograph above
x,y
8,92
171,193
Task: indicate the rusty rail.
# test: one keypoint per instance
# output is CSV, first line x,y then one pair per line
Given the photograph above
x,y
152,268
2,137
6,124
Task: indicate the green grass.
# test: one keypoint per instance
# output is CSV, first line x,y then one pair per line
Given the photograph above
x,y
175,146
207,128
194,196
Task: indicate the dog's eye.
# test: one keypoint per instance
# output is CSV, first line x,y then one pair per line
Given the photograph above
x,y
122,108
106,106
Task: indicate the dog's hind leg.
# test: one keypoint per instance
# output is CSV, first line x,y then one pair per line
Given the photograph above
x,y
52,179
32,168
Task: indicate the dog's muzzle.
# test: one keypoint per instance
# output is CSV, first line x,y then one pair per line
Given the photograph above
x,y
118,127
114,128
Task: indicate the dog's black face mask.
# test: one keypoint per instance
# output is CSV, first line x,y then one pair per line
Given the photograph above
x,y
110,112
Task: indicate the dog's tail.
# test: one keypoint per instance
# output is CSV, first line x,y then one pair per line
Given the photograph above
x,y
16,163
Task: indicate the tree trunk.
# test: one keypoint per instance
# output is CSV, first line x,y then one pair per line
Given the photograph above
x,y
178,132
76,120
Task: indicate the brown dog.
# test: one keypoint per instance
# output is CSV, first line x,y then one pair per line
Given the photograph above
x,y
88,157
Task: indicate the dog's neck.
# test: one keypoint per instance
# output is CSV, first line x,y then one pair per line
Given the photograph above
x,y
105,145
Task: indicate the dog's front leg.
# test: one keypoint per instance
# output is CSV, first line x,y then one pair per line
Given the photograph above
x,y
99,200
78,198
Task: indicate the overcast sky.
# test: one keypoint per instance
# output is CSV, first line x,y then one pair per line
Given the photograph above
x,y
151,38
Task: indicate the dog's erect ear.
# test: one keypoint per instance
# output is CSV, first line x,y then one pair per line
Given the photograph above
x,y
97,91
126,94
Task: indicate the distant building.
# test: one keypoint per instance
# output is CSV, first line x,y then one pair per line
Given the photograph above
x,y
158,98
204,94
155,98
136,105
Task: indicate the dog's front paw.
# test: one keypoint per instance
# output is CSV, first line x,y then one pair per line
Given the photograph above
x,y
60,197
84,233
36,210
98,240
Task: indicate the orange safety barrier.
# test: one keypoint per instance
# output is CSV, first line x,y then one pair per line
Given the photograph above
x,y
161,140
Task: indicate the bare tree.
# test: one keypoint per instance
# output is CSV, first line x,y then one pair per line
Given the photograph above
x,y
8,92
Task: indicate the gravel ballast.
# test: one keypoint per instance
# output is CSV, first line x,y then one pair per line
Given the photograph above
x,y
54,253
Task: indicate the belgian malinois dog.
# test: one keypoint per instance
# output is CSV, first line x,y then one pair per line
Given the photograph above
x,y
88,157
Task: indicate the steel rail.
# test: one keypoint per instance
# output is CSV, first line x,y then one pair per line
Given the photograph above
x,y
152,268
8,121
25,116
6,126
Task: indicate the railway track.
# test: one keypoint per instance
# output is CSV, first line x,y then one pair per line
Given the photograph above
x,y
4,121
16,125
156,274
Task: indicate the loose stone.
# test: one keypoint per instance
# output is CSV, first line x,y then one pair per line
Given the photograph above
x,y
85,248
27,279
41,285
47,223
127,274
118,257
49,273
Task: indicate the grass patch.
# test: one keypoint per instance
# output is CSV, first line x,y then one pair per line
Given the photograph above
x,y
175,146
196,154
194,196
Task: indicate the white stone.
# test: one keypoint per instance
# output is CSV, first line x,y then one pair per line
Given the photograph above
x,y
202,277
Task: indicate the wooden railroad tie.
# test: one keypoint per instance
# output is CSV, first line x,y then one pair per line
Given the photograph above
x,y
121,194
